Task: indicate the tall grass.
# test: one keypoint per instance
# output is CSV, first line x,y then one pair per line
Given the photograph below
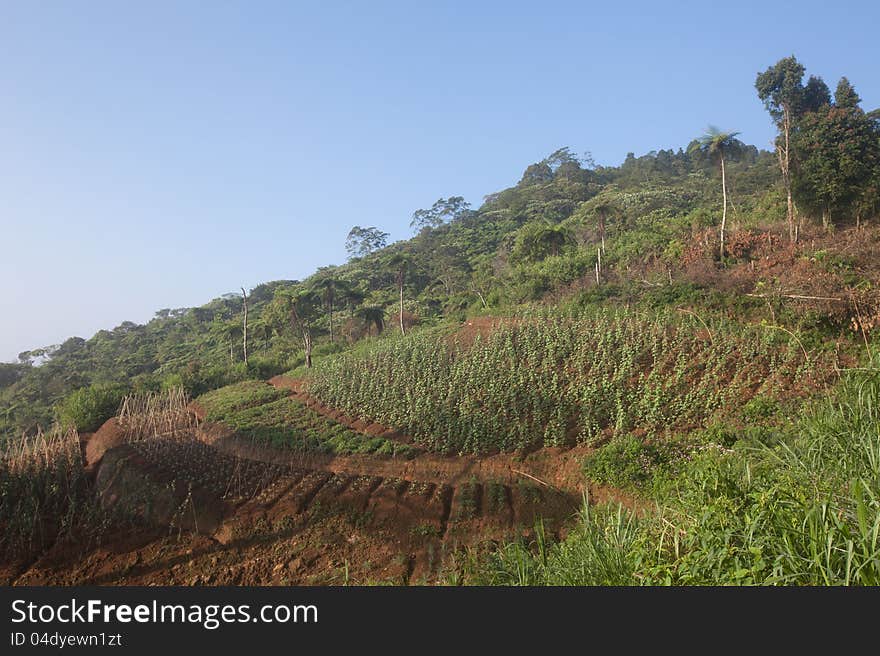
x,y
803,512
45,495
153,415
599,552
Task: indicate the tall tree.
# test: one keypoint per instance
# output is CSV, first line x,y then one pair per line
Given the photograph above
x,y
603,209
400,262
303,309
373,315
330,288
300,307
539,239
363,241
845,95
838,149
717,145
783,94
442,211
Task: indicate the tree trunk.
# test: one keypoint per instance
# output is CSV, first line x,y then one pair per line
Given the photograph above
x,y
245,327
400,289
724,210
305,333
330,304
602,229
784,154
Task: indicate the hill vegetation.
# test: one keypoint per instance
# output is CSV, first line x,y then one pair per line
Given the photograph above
x,y
696,325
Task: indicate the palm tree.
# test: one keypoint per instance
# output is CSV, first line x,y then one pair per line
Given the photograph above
x,y
539,239
373,315
603,209
716,145
303,309
352,297
330,289
400,262
262,330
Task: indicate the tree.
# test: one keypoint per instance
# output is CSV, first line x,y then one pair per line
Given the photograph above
x,y
716,144
303,309
845,95
229,331
603,208
442,211
329,288
538,240
352,297
838,150
363,241
262,330
400,262
300,307
373,315
786,99
536,174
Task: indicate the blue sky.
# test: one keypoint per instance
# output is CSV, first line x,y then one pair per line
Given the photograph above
x,y
160,154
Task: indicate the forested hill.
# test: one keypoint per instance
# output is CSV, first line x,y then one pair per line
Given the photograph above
x,y
681,227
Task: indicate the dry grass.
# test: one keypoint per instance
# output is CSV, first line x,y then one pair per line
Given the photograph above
x,y
162,415
45,495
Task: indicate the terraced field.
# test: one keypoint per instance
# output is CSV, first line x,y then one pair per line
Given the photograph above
x,y
265,486
270,416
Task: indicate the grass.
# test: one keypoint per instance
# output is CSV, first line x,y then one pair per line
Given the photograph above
x,y
45,495
802,511
239,396
267,415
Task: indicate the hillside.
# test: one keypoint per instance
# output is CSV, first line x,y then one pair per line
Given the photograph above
x,y
476,262
682,348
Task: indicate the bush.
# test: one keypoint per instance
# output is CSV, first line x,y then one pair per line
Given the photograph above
x,y
89,407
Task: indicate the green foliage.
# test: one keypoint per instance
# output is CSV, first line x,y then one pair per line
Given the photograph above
x,y
46,496
600,551
839,150
225,401
363,241
805,511
89,407
267,415
555,380
538,240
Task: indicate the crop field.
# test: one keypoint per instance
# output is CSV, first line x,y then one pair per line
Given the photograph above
x,y
257,410
44,494
553,380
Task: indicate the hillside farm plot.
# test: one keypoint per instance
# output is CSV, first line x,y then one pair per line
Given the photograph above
x,y
267,415
550,379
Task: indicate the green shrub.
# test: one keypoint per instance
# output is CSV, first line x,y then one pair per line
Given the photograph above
x,y
89,407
